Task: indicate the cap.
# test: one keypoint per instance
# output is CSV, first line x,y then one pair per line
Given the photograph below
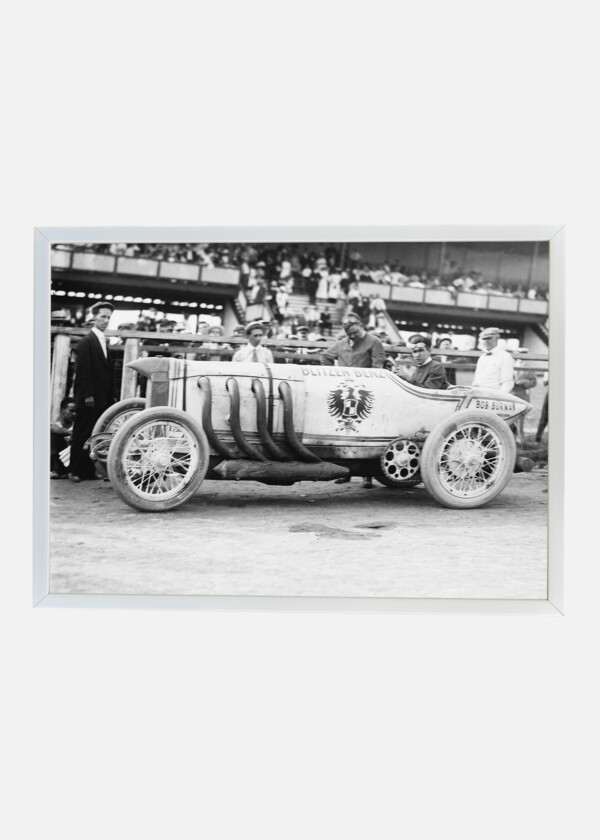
x,y
420,339
351,317
489,331
102,304
254,325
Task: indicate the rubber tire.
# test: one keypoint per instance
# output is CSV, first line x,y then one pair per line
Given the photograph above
x,y
434,444
104,421
394,485
116,471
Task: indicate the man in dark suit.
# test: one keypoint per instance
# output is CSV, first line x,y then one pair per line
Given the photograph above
x,y
94,389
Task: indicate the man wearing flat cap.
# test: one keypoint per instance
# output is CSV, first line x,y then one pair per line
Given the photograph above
x,y
427,373
495,367
356,347
93,391
254,351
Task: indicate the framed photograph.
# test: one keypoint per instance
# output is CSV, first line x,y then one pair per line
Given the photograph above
x,y
303,419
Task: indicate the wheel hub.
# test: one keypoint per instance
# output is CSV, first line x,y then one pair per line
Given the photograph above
x,y
465,459
157,457
160,459
470,461
401,460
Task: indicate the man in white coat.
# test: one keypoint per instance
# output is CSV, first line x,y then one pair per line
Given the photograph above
x,y
495,367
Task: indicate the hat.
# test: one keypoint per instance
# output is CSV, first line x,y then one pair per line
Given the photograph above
x,y
301,328
489,331
254,325
216,328
179,328
102,304
420,339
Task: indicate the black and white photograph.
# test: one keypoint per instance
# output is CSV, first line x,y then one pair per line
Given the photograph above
x,y
351,419
300,323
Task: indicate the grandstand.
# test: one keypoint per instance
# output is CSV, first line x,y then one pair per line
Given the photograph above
x,y
439,288
445,287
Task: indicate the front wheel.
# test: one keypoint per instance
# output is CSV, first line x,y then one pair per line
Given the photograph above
x,y
158,459
108,423
468,459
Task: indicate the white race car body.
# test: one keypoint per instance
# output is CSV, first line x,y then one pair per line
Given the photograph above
x,y
339,412
283,423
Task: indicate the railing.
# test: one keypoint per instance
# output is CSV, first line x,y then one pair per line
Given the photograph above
x,y
445,297
144,267
163,269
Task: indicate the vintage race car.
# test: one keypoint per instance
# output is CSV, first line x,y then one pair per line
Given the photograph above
x,y
283,423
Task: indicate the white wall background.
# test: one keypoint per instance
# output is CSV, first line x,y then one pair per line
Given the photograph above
x,y
179,725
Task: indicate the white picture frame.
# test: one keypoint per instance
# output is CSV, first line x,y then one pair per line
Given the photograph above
x,y
45,237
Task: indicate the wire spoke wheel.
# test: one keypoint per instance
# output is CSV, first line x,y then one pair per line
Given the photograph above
x,y
109,422
158,459
122,418
468,459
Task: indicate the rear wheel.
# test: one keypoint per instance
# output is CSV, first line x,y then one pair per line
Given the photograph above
x,y
108,423
158,459
399,463
468,459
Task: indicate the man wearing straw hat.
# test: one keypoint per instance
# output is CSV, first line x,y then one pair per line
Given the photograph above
x,y
495,367
254,351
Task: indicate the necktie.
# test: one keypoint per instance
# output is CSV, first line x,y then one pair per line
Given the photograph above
x,y
254,357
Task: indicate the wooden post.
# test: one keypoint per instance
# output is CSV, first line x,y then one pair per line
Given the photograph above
x,y
131,352
60,368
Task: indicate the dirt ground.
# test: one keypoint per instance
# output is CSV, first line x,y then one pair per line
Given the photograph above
x,y
311,539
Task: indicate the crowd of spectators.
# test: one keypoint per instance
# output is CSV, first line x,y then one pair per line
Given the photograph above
x,y
194,253
323,272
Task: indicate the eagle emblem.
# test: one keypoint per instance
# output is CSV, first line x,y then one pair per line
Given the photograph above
x,y
349,404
